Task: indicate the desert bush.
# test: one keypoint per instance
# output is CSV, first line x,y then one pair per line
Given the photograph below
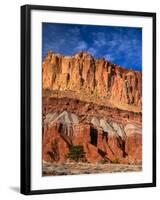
x,y
116,161
76,153
104,161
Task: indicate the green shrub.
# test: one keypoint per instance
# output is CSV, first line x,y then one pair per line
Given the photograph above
x,y
76,153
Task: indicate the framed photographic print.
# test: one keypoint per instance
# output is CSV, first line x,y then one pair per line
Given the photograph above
x,y
88,99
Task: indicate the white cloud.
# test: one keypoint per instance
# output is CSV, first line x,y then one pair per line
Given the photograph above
x,y
75,31
99,39
81,46
109,57
92,50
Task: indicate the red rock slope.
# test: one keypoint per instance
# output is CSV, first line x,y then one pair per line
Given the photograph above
x,y
92,103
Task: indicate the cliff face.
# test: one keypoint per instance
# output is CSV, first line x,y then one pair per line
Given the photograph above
x,y
92,80
103,138
94,104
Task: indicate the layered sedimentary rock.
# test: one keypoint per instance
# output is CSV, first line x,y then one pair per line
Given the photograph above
x,y
105,133
94,80
94,104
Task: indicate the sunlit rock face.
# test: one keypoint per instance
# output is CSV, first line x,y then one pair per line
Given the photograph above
x,y
102,138
98,81
94,104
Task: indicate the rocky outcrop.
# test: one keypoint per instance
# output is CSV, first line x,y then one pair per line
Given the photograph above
x,y
55,147
93,80
91,103
86,110
101,139
133,143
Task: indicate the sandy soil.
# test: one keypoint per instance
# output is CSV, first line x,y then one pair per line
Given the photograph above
x,y
57,169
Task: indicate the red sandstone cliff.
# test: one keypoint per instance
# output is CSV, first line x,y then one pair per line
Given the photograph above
x,y
93,80
94,104
101,138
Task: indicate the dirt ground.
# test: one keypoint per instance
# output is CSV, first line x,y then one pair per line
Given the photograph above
x,y
57,169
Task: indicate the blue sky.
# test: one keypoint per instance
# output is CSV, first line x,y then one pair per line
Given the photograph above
x,y
120,45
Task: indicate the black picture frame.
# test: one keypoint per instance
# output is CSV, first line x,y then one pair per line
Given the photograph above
x,y
26,98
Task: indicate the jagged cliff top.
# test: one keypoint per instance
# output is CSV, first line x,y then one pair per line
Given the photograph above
x,y
83,77
86,55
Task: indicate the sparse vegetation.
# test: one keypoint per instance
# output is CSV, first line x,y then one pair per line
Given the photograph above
x,y
104,161
116,161
76,153
55,169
